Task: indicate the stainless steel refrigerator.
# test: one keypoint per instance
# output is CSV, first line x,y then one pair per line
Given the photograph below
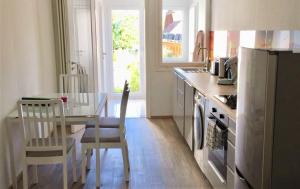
x,y
268,120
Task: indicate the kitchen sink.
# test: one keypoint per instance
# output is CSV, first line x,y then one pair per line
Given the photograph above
x,y
194,70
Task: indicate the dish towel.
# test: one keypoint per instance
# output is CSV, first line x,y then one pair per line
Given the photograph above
x,y
215,137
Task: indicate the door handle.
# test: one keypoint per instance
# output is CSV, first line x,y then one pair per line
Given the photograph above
x,y
202,128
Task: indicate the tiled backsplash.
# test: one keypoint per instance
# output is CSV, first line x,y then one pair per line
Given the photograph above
x,y
227,43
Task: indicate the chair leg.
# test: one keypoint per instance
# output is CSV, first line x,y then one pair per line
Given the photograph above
x,y
65,173
88,154
98,168
126,145
125,162
35,174
25,176
83,164
74,164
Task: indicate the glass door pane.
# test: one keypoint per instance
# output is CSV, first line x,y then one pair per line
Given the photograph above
x,y
126,55
80,33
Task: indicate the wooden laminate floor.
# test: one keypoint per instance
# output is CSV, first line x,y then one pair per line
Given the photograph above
x,y
159,159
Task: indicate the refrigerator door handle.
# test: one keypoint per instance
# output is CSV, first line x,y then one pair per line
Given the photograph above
x,y
241,178
239,175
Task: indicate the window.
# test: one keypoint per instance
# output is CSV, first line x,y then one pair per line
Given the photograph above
x,y
220,44
180,23
172,38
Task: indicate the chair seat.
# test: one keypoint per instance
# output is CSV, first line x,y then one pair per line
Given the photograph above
x,y
70,143
106,135
107,122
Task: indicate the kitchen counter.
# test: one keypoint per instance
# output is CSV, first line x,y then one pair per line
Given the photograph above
x,y
206,84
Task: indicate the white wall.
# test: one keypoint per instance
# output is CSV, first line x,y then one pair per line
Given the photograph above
x,y
255,14
159,82
27,60
3,173
159,77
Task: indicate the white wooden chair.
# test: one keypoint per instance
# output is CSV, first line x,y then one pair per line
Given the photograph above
x,y
108,138
111,122
45,142
77,68
76,85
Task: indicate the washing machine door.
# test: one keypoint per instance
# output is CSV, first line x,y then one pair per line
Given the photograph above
x,y
199,126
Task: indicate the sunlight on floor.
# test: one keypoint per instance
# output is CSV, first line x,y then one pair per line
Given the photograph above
x,y
135,108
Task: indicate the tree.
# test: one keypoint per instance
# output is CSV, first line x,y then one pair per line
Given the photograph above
x,y
125,34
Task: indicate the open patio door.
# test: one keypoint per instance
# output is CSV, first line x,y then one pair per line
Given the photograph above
x,y
124,43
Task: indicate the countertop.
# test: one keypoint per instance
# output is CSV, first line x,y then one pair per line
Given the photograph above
x,y
206,84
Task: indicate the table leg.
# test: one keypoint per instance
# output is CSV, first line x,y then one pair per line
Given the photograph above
x,y
11,154
106,109
98,179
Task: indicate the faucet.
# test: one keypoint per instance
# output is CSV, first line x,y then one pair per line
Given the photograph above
x,y
204,51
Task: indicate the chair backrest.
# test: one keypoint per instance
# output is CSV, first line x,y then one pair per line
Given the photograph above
x,y
73,83
76,68
124,103
126,86
39,120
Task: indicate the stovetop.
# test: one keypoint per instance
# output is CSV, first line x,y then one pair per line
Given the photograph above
x,y
229,100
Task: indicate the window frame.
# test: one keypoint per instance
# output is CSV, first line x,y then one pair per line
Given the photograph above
x,y
166,65
153,39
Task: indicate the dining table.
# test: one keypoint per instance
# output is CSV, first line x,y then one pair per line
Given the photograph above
x,y
79,108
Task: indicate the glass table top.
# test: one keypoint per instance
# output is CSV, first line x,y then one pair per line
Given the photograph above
x,y
77,104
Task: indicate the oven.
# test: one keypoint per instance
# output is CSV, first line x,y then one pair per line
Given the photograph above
x,y
217,157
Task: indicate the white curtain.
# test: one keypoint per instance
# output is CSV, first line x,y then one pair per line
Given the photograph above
x,y
61,34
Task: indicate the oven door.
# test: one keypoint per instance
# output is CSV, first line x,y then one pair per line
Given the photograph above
x,y
217,158
199,126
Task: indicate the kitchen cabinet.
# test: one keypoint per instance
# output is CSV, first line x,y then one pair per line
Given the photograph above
x,y
231,154
188,113
255,15
178,102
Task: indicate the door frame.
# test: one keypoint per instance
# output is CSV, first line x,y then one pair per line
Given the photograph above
x,y
108,7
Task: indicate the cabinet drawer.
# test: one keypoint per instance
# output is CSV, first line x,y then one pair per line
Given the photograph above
x,y
230,156
230,179
231,136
